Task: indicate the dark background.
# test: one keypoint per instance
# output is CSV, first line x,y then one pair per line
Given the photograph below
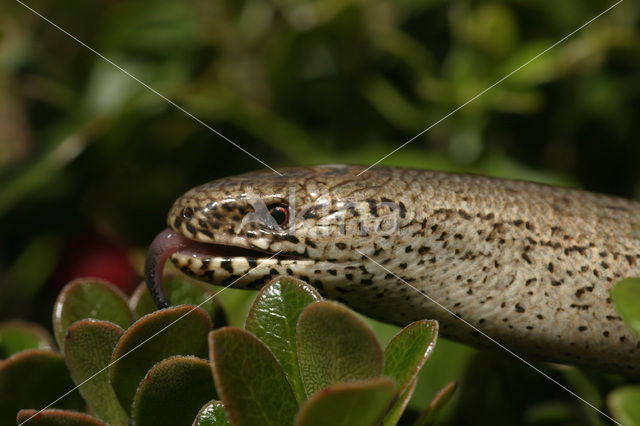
x,y
90,160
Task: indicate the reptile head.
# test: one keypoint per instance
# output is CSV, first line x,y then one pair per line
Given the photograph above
x,y
311,223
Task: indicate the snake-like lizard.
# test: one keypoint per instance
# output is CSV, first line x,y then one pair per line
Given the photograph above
x,y
530,265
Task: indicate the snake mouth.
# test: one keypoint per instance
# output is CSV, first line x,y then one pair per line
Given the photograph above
x,y
215,263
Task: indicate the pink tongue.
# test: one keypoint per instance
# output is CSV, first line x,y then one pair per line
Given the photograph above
x,y
163,246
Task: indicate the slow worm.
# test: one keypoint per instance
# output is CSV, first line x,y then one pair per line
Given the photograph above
x,y
530,265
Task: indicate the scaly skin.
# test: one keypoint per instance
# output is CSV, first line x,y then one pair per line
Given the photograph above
x,y
530,265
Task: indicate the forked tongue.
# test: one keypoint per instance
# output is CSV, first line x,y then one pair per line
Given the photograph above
x,y
163,246
168,242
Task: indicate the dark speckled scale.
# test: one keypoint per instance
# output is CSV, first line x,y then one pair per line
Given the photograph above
x,y
530,265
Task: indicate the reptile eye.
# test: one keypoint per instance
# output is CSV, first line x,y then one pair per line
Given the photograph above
x,y
187,213
279,213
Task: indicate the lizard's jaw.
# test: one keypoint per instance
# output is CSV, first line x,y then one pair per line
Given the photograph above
x,y
216,263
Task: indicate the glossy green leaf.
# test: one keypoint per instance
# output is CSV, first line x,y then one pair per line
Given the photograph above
x,y
407,352
397,409
180,291
180,330
348,404
87,351
35,378
89,298
173,392
429,416
624,404
16,336
57,418
335,346
212,414
250,381
449,359
626,297
273,318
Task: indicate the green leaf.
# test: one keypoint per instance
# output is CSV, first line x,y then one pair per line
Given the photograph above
x,y
17,336
35,378
212,414
348,404
407,352
173,392
624,404
626,297
273,318
249,380
89,298
555,412
395,412
180,330
429,416
583,384
87,351
180,291
57,418
449,359
536,72
335,346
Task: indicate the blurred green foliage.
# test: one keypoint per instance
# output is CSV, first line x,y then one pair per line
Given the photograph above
x,y
624,402
85,148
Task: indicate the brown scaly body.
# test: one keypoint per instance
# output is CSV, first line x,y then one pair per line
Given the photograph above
x,y
530,265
